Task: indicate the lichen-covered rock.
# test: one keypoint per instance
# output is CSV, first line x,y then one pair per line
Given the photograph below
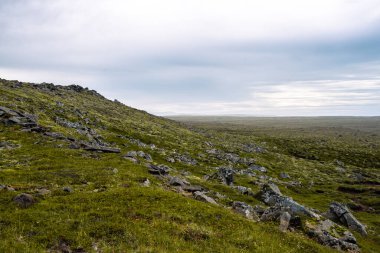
x,y
339,212
271,195
245,209
225,175
330,234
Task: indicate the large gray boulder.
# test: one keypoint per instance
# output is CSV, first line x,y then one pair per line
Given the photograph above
x,y
340,213
271,195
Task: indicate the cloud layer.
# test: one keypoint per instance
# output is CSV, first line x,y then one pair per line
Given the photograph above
x,y
202,57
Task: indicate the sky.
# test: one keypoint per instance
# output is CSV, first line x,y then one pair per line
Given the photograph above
x,y
202,57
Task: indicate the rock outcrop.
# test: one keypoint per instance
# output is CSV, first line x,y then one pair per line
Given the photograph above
x,y
330,234
271,195
340,213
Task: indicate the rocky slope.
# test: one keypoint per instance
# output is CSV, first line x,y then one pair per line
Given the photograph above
x,y
80,173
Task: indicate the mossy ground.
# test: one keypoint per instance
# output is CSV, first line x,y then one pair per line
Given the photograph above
x,y
111,210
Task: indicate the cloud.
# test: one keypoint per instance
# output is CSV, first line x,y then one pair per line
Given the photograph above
x,y
200,56
292,99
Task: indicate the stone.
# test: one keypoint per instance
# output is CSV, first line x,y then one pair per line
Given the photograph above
x,y
284,221
233,158
201,196
146,182
258,168
244,190
43,192
273,213
170,159
24,200
193,188
8,145
132,159
245,209
89,147
341,213
176,181
67,189
54,135
158,169
225,175
13,117
328,233
144,155
271,195
284,175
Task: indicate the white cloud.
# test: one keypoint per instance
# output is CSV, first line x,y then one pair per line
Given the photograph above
x,y
307,98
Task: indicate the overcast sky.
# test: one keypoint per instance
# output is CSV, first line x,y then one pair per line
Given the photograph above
x,y
284,57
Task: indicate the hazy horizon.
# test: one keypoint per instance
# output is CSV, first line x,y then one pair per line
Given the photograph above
x,y
272,58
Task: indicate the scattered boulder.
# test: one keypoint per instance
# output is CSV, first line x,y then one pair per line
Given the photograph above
x,y
162,170
67,189
330,234
144,155
247,172
273,213
258,168
245,209
43,192
55,135
193,188
89,147
284,221
225,175
340,213
271,195
201,196
185,159
146,182
170,159
176,181
6,187
253,148
284,175
24,200
8,145
131,156
13,117
244,190
233,158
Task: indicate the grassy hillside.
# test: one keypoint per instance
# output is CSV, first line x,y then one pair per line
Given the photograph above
x,y
86,201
